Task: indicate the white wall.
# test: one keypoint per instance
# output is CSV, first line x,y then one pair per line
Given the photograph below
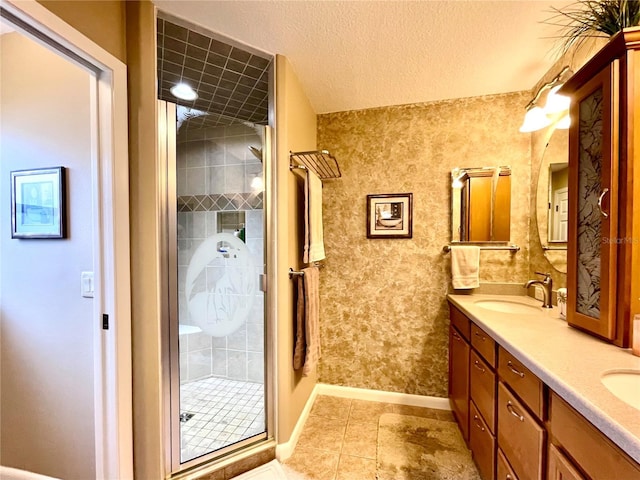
x,y
46,353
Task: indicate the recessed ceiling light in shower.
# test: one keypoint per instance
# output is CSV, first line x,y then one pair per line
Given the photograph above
x,y
184,92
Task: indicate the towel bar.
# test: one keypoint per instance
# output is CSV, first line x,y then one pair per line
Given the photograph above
x,y
295,273
511,248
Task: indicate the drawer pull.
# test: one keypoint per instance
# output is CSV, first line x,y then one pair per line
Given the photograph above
x,y
457,337
482,337
476,420
508,477
513,411
478,366
514,370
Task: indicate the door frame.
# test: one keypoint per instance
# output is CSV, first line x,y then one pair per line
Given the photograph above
x,y
110,184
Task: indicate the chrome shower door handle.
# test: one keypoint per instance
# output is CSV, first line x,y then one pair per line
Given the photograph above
x,y
602,212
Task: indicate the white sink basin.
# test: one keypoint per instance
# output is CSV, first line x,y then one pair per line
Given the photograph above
x,y
624,384
508,306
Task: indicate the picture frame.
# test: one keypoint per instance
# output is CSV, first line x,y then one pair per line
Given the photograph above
x,y
390,215
38,203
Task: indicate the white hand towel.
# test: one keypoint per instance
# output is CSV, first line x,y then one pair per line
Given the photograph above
x,y
465,266
313,236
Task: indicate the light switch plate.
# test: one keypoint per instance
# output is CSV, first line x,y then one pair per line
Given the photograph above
x,y
86,284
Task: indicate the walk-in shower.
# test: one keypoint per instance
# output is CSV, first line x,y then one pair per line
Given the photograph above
x,y
215,242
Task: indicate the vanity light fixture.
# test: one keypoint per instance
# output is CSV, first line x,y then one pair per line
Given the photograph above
x,y
564,122
534,119
537,117
183,92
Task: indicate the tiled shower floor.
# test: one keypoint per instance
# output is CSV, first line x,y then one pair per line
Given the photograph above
x,y
224,412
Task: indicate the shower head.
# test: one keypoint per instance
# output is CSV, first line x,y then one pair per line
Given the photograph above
x,y
257,152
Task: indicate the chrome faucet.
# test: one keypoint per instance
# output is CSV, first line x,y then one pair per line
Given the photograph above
x,y
547,285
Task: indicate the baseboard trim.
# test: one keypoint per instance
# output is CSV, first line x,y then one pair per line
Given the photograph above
x,y
438,403
285,450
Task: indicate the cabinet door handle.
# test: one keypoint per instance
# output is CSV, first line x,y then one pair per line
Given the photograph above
x,y
513,411
508,477
476,420
602,212
514,370
456,336
482,337
478,366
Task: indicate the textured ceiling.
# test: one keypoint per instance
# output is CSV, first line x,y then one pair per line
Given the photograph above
x,y
362,54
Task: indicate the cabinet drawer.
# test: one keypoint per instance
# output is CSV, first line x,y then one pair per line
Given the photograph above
x,y
519,436
459,380
460,321
483,389
560,467
482,443
484,344
520,379
597,456
503,469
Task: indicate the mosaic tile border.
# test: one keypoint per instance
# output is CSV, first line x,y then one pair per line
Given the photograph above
x,y
220,202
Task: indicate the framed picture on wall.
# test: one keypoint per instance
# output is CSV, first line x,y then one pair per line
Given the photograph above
x,y
37,203
389,215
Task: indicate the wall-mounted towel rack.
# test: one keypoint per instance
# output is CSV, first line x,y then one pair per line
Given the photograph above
x,y
320,162
295,273
511,248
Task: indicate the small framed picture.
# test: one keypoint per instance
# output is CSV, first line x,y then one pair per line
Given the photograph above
x,y
37,203
390,215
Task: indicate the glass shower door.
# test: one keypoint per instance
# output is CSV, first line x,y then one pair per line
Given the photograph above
x,y
218,306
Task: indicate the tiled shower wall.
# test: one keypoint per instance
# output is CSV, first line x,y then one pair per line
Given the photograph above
x,y
215,171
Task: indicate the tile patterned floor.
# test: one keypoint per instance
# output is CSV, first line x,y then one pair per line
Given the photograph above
x,y
224,412
339,439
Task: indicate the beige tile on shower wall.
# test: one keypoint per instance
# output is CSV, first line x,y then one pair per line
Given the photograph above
x,y
384,315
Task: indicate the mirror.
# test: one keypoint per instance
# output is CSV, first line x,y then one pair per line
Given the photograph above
x,y
552,198
481,204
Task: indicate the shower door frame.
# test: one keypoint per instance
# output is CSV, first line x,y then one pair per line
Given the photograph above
x,y
167,146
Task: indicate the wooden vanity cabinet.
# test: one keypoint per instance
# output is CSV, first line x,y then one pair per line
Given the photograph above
x,y
503,469
560,467
482,390
602,258
591,451
459,351
482,443
520,436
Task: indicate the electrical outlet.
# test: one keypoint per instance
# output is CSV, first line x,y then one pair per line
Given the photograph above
x,y
538,293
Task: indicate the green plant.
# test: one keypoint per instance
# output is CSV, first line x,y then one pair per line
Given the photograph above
x,y
593,18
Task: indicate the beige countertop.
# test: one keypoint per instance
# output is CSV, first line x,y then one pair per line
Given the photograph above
x,y
569,361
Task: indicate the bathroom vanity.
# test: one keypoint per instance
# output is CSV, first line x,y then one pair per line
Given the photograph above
x,y
528,394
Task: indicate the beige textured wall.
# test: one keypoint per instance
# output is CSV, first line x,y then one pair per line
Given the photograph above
x,y
297,132
383,306
102,21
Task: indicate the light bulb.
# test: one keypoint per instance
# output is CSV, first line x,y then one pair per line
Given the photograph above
x,y
534,119
556,102
183,92
257,184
